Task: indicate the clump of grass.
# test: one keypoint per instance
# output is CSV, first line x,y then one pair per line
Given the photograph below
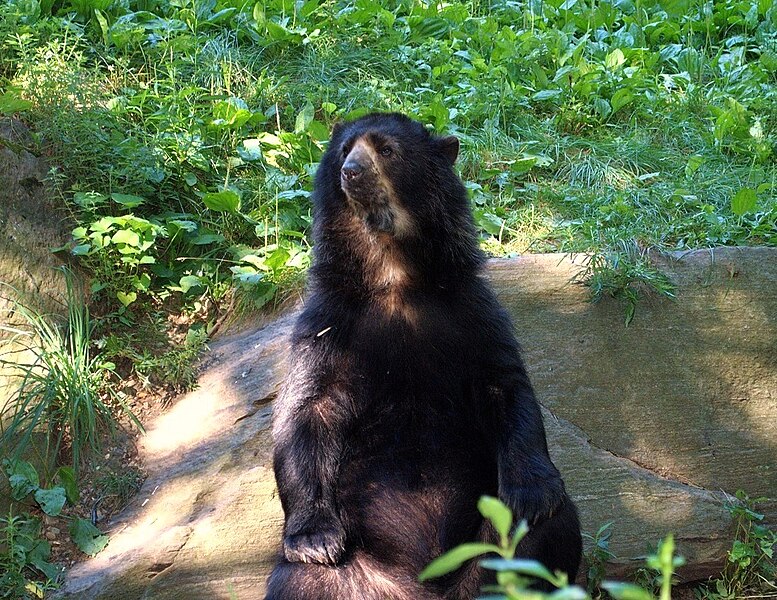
x,y
175,367
64,391
122,485
625,273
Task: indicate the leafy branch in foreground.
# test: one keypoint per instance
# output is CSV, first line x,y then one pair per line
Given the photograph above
x,y
515,576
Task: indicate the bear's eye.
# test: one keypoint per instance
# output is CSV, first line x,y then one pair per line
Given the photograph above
x,y
386,151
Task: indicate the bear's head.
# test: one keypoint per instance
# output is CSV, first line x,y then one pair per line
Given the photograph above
x,y
385,185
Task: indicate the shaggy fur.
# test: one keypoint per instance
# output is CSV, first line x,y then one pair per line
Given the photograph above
x,y
407,398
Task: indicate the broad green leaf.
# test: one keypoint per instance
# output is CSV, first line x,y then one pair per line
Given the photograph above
x,y
489,222
184,224
602,107
546,95
81,250
318,131
20,486
626,591
128,200
498,513
126,236
279,33
532,568
525,163
437,111
453,559
207,238
258,13
249,149
88,199
126,299
614,59
246,275
744,201
304,118
675,8
188,282
11,103
423,28
51,501
224,201
741,552
232,112
142,282
277,259
22,476
621,98
38,556
693,165
87,537
103,22
67,477
190,179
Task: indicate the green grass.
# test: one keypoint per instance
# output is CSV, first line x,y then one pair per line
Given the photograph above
x,y
63,394
585,125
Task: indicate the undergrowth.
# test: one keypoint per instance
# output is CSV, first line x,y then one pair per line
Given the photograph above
x,y
64,395
186,134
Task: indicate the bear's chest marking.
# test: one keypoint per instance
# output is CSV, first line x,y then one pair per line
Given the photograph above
x,y
387,276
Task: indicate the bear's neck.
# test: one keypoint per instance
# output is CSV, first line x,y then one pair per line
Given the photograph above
x,y
377,267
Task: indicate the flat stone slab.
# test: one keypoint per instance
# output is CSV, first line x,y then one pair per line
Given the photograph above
x,y
651,425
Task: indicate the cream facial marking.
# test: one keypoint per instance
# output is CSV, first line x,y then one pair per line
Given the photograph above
x,y
365,179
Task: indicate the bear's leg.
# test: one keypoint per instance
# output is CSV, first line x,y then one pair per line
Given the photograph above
x,y
555,542
361,578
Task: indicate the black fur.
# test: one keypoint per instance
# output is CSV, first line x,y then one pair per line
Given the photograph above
x,y
407,398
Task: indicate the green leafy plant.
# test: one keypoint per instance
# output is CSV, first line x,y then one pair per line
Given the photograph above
x,y
174,367
514,576
25,488
751,568
24,555
117,249
596,558
584,126
63,391
660,570
24,559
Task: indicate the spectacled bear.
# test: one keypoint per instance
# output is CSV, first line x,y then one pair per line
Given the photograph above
x,y
407,398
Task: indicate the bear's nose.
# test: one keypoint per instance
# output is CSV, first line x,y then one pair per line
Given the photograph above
x,y
351,170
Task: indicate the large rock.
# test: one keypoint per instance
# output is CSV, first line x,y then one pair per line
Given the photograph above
x,y
651,426
30,224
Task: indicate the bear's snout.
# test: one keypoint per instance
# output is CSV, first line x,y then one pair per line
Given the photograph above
x,y
351,170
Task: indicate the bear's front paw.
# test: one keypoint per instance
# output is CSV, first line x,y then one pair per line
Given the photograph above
x,y
324,546
536,502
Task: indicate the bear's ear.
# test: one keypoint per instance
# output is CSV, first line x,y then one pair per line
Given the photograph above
x,y
449,146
